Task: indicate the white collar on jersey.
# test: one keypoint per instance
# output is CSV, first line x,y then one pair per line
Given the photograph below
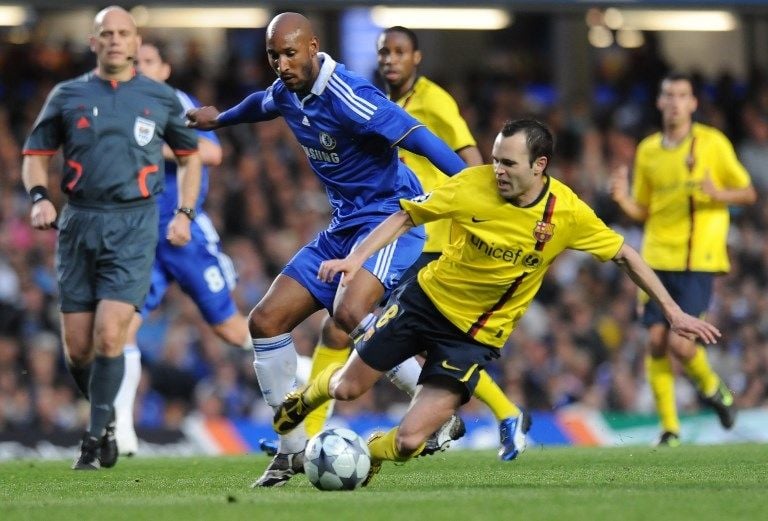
x,y
326,70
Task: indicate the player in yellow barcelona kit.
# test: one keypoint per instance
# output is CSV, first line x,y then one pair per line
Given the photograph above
x,y
399,57
513,221
684,179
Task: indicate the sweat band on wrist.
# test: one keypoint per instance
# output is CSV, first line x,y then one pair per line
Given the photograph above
x,y
37,193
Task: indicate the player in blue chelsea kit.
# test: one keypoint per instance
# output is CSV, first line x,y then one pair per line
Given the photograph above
x,y
202,270
350,132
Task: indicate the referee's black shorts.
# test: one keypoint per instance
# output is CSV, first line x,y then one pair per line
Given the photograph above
x,y
105,254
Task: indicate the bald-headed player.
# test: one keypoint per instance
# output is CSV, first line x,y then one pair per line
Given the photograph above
x,y
111,125
350,133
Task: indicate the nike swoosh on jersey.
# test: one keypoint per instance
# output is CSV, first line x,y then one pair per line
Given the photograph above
x,y
448,366
476,220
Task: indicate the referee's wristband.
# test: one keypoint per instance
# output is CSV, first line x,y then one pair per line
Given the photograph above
x,y
38,193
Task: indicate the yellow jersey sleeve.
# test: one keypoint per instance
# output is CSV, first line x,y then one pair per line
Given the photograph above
x,y
433,106
441,203
730,173
592,235
641,182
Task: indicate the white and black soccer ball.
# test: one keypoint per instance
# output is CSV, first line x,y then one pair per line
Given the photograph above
x,y
337,459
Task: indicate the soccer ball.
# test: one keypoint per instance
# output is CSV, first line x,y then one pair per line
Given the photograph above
x,y
336,459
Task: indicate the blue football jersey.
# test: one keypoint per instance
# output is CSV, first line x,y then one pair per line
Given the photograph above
x,y
168,199
349,131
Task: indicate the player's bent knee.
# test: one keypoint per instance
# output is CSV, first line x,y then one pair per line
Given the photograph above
x,y
78,349
262,324
110,342
346,319
345,390
79,357
333,336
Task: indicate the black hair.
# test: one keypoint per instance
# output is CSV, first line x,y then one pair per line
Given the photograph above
x,y
407,32
538,138
160,46
678,76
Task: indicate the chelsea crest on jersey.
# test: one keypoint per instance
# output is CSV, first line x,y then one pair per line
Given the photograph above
x,y
329,153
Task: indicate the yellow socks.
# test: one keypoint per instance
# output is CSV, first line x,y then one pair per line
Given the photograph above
x,y
488,392
699,370
324,357
317,393
662,381
384,448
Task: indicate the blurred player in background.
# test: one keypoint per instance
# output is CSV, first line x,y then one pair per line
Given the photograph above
x,y
684,179
511,221
350,133
398,58
111,124
200,268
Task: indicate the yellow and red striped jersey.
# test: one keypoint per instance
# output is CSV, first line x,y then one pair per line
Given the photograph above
x,y
490,272
686,229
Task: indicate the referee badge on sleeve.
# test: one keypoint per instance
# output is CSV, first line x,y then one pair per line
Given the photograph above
x,y
143,130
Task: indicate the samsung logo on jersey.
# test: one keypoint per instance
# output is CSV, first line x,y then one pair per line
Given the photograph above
x,y
321,155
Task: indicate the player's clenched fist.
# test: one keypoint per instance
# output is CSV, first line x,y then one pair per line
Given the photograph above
x,y
42,215
204,118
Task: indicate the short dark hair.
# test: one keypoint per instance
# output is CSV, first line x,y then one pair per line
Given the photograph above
x,y
538,137
407,32
162,49
678,76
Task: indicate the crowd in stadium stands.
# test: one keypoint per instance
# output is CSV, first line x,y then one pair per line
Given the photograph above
x,y
579,343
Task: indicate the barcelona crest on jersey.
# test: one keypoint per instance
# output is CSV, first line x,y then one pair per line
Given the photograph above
x,y
543,231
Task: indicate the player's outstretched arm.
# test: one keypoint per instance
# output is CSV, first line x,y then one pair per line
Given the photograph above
x,y
250,110
680,322
423,142
390,229
203,118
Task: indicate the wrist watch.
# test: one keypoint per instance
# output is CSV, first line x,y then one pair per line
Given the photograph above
x,y
186,210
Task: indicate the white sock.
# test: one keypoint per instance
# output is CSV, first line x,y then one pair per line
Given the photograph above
x,y
124,430
274,360
405,376
303,369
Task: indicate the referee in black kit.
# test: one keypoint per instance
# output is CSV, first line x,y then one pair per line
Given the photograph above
x,y
111,124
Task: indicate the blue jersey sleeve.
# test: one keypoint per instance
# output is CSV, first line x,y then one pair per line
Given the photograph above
x,y
423,142
258,106
367,111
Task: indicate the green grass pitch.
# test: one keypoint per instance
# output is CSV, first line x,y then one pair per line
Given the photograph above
x,y
724,483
